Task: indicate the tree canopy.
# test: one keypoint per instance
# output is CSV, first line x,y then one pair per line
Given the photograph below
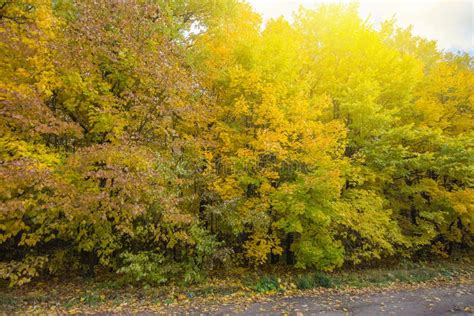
x,y
190,135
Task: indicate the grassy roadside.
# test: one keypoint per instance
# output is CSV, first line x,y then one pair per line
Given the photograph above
x,y
83,296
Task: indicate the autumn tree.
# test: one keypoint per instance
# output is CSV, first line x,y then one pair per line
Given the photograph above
x,y
158,139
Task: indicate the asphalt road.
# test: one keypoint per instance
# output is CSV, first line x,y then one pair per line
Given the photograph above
x,y
452,300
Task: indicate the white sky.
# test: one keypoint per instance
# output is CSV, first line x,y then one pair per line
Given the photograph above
x,y
449,22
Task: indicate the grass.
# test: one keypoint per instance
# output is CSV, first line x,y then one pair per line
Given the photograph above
x,y
314,280
415,273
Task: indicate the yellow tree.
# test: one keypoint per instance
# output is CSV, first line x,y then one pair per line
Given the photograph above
x,y
268,140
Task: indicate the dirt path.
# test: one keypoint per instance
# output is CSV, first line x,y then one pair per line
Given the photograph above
x,y
449,300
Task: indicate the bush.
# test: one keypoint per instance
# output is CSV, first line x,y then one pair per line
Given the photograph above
x,y
144,267
20,272
267,284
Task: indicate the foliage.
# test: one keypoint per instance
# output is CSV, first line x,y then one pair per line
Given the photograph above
x,y
20,272
144,267
150,136
267,284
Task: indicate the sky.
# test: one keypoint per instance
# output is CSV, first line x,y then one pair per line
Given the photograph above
x,y
449,22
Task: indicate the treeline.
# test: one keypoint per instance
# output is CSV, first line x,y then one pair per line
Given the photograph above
x,y
161,138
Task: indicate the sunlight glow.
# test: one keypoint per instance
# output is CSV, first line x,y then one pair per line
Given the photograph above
x,y
450,23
